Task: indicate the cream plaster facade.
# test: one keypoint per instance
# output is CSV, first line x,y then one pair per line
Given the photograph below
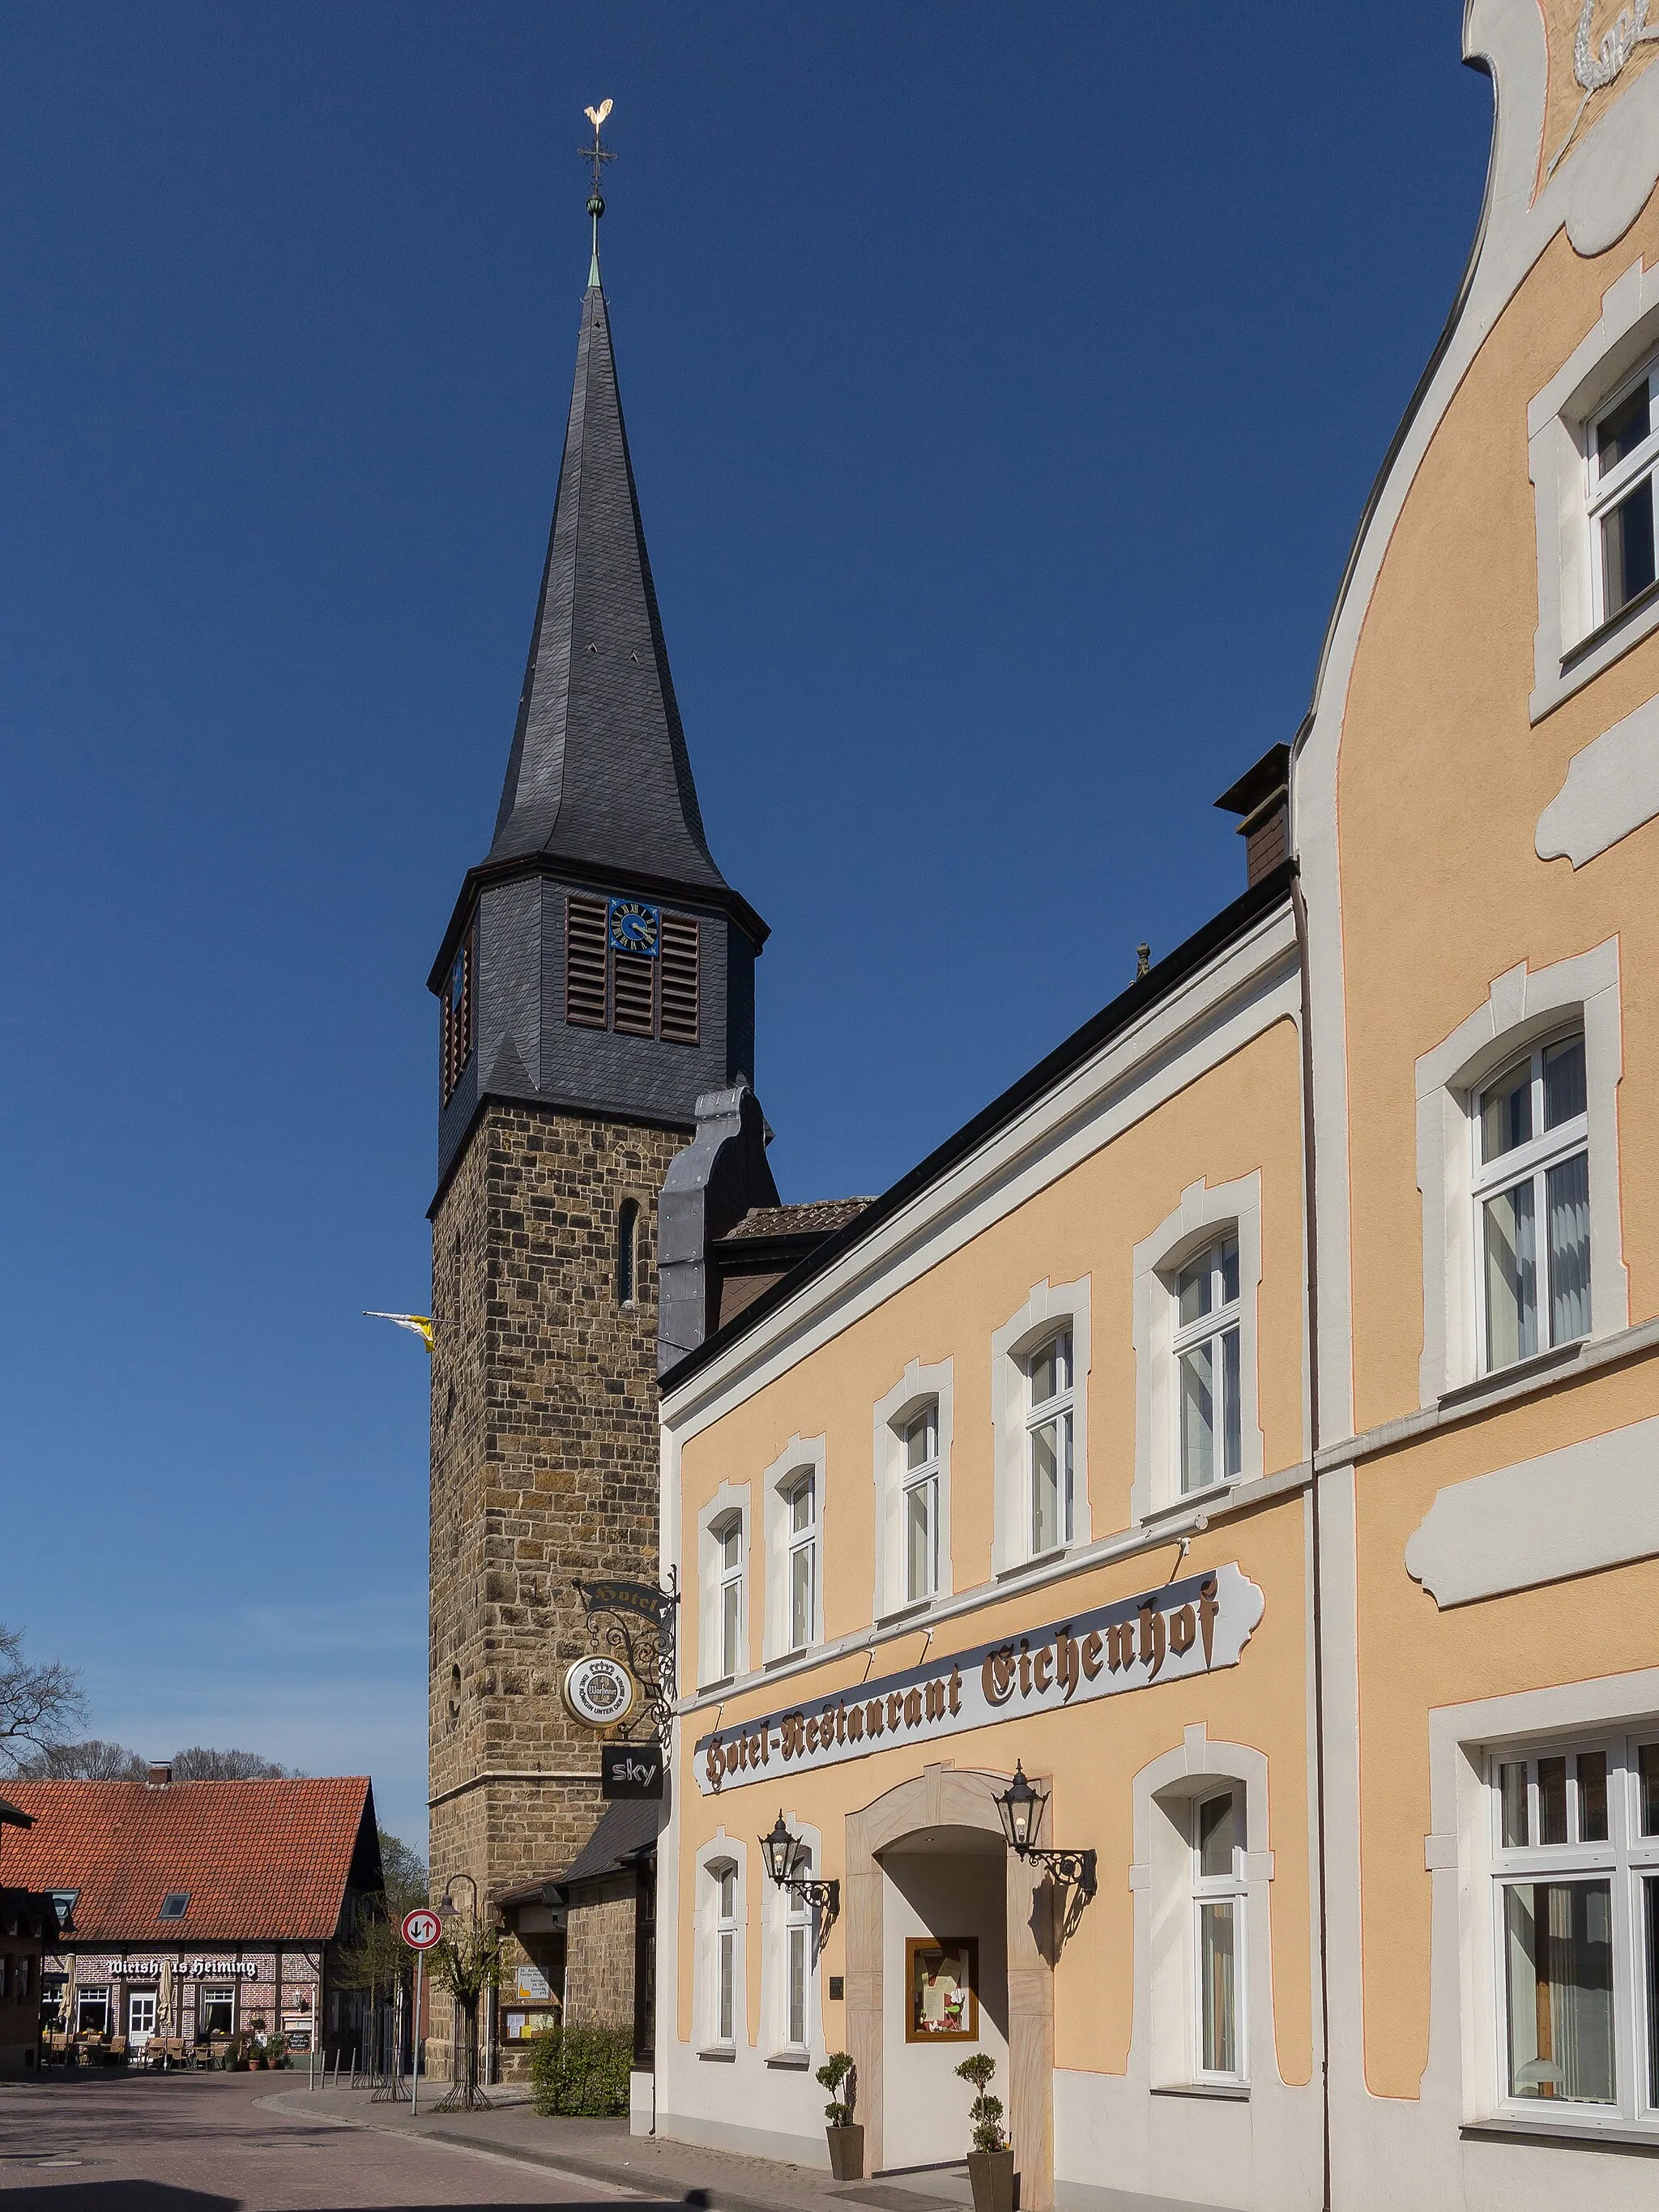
x,y
1458,1558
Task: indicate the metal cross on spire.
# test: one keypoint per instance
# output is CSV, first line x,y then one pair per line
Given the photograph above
x,y
597,154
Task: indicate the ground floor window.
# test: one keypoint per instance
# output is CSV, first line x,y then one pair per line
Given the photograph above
x,y
92,2010
798,1963
1576,1904
215,2010
725,1950
1218,1846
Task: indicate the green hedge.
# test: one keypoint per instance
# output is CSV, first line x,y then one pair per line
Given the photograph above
x,y
582,2071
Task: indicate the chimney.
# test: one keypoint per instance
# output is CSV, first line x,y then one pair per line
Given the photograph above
x,y
1262,797
161,1774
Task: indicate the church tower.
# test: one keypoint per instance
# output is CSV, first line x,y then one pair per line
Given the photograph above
x,y
596,980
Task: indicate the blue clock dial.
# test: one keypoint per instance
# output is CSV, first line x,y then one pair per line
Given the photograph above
x,y
635,928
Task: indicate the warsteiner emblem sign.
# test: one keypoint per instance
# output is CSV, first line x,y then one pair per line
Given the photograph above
x,y
599,1693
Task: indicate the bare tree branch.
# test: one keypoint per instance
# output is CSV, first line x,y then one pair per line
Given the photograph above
x,y
38,1705
92,1761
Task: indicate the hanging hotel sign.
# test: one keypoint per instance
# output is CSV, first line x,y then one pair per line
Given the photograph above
x,y
600,1692
1166,1635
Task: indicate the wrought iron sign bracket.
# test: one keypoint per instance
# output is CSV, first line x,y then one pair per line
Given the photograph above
x,y
635,1623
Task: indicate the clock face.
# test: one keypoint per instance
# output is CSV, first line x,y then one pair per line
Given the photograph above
x,y
634,927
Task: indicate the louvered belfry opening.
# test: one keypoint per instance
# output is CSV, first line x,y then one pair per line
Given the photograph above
x,y
634,993
587,997
457,1014
678,964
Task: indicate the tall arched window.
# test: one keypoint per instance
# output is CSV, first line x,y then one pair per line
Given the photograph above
x,y
628,1233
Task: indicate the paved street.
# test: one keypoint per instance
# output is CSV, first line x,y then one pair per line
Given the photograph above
x,y
214,2143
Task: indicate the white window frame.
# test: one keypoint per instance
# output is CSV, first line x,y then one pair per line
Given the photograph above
x,y
1467,2026
1528,1162
1223,1319
803,1459
802,1558
1058,1409
1624,1861
1570,648
1167,2047
729,1503
210,1993
919,1477
720,1933
1051,1309
892,1416
1229,1888
1207,1213
1524,1007
1603,494
731,1568
788,1926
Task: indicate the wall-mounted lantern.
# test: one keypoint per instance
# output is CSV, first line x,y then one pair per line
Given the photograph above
x,y
786,1861
1020,1806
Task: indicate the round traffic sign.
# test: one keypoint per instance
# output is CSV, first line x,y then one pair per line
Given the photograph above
x,y
421,1928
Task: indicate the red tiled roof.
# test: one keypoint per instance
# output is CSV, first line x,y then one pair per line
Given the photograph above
x,y
262,1860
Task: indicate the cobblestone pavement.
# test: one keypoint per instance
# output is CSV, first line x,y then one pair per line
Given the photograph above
x,y
217,2142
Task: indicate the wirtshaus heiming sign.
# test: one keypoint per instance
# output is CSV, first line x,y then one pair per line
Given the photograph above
x,y
1165,1635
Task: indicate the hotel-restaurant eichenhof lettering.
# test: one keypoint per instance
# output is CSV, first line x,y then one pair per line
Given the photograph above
x,y
1184,1629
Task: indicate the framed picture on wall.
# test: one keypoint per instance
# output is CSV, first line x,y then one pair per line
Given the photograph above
x,y
941,1981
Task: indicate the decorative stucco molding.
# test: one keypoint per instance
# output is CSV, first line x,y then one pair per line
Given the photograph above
x,y
1568,1512
1612,787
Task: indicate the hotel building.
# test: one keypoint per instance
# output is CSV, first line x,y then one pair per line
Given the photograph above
x,y
1248,1426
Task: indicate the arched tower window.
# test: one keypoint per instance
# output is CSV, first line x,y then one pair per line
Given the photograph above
x,y
628,1237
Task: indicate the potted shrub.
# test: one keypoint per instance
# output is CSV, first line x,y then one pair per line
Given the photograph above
x,y
846,2140
990,2162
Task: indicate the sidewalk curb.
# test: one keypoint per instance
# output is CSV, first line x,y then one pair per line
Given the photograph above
x,y
712,2198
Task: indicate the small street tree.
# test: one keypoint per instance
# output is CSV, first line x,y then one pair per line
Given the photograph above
x,y
466,1964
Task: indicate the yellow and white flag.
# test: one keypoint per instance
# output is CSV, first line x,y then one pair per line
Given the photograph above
x,y
421,1324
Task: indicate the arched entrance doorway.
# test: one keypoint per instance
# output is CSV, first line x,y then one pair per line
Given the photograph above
x,y
927,1853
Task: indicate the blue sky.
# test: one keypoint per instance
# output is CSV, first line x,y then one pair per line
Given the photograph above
x,y
1004,387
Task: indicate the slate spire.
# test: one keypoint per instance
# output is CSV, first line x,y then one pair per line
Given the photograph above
x,y
598,777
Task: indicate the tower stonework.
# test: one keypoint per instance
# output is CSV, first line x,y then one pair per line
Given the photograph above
x,y
544,1468
596,982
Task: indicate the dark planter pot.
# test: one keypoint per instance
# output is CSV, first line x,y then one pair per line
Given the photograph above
x,y
992,2173
846,2154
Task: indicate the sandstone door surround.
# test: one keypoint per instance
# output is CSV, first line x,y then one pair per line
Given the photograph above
x,y
942,1798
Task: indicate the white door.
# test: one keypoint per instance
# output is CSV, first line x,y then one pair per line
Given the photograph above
x,y
141,2016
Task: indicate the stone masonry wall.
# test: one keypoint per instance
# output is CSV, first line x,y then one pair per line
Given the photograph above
x,y
598,1971
544,1466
